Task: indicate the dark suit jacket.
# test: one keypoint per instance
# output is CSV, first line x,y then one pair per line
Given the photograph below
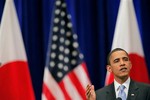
x,y
137,91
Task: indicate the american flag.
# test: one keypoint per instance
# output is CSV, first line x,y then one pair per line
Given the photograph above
x,y
65,74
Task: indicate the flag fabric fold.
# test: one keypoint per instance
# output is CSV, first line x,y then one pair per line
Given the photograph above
x,y
127,36
65,74
15,81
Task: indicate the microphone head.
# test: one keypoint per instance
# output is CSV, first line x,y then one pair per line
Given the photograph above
x,y
118,98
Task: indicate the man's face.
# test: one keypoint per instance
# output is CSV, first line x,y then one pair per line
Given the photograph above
x,y
120,64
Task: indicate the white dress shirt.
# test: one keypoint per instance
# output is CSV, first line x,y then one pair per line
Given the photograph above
x,y
126,84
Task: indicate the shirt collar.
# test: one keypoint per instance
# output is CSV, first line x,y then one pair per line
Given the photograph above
x,y
126,84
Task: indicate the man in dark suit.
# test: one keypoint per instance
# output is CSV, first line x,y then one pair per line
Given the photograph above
x,y
123,88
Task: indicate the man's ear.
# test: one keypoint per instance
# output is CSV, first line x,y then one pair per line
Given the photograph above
x,y
109,68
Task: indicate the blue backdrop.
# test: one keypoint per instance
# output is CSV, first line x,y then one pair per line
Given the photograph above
x,y
93,21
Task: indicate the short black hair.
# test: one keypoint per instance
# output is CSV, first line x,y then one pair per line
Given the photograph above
x,y
114,50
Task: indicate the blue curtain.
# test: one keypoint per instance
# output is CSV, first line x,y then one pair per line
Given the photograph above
x,y
94,22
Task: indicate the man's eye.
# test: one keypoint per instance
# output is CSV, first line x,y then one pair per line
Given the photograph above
x,y
126,59
116,60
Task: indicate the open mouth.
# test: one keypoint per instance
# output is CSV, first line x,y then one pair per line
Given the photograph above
x,y
123,69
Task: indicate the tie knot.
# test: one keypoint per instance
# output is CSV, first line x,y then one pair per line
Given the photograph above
x,y
122,87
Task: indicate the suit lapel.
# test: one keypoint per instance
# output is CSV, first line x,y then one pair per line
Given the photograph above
x,y
133,91
110,93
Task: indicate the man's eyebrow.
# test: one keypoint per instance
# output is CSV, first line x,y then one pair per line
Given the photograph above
x,y
116,59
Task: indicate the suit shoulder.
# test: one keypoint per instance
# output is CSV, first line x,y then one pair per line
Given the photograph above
x,y
101,93
105,93
143,84
104,89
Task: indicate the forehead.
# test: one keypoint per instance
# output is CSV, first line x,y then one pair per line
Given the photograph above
x,y
118,54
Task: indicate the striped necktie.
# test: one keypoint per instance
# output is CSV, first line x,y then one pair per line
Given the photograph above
x,y
121,93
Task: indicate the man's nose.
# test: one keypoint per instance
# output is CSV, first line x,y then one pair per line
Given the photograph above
x,y
122,63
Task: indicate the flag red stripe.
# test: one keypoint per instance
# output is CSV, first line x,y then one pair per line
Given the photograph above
x,y
85,69
15,82
77,84
66,95
47,93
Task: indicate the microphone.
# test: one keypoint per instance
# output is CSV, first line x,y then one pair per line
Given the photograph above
x,y
118,98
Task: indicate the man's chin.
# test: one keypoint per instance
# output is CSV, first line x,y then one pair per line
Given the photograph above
x,y
124,75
